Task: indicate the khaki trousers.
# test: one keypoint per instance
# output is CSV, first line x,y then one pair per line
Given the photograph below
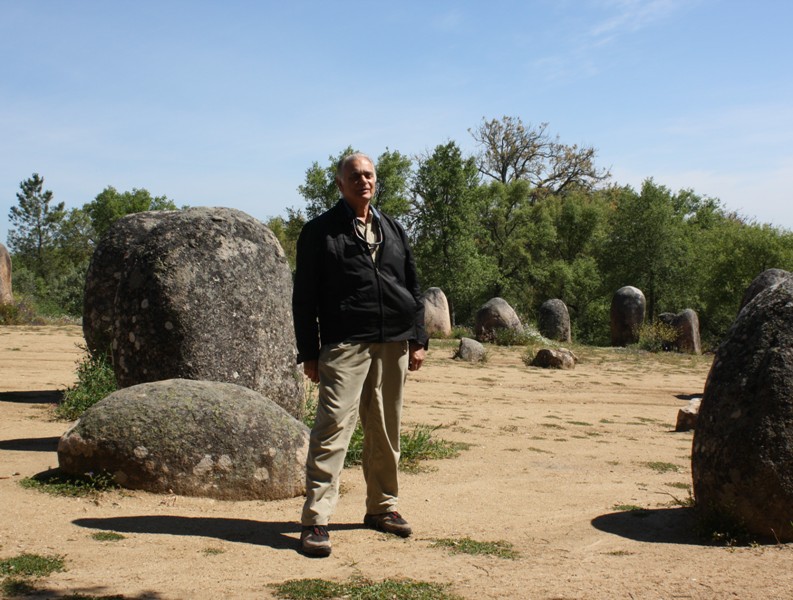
x,y
365,378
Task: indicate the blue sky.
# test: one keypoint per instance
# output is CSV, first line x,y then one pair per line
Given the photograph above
x,y
228,103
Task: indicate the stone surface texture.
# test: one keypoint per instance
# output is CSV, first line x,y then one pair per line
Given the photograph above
x,y
6,290
436,313
554,358
495,314
764,280
627,315
553,320
192,438
470,350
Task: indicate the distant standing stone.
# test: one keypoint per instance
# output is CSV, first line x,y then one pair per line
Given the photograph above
x,y
763,281
554,320
742,456
436,313
6,291
495,314
686,323
627,315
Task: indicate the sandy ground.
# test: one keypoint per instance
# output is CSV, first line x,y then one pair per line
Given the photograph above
x,y
553,457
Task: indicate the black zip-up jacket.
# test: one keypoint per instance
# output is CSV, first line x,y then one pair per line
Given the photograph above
x,y
341,295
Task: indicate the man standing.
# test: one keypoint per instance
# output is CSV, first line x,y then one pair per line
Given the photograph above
x,y
359,324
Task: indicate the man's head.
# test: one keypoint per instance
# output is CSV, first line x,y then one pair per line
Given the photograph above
x,y
356,179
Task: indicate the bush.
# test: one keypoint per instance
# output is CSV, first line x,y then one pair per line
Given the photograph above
x,y
95,380
656,336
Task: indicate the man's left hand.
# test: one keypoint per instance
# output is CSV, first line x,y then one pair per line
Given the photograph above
x,y
416,357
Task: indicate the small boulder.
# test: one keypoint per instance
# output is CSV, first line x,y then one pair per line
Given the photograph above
x,y
495,314
687,416
470,350
554,321
627,315
554,358
6,292
436,313
193,438
742,454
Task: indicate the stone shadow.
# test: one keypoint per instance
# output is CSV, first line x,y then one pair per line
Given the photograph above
x,y
33,397
279,535
48,444
659,526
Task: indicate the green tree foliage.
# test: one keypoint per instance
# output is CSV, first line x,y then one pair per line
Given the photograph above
x,y
445,227
35,225
511,151
287,230
110,205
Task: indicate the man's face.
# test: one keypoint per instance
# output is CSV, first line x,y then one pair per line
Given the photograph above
x,y
357,182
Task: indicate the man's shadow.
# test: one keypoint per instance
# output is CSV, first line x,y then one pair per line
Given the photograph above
x,y
275,534
33,397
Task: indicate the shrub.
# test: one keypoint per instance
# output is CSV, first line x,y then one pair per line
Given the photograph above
x,y
656,336
95,380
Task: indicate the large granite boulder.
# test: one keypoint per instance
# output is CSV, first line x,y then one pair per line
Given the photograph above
x,y
553,321
742,457
108,264
686,331
202,294
495,314
436,313
6,291
627,315
193,438
764,280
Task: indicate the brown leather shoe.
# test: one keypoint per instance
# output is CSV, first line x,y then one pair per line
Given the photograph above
x,y
315,541
389,522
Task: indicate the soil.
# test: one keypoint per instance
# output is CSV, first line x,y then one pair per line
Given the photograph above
x,y
556,463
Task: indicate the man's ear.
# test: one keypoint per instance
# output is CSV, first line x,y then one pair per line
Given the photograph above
x,y
338,184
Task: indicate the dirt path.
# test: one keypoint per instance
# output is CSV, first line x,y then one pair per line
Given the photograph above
x,y
554,456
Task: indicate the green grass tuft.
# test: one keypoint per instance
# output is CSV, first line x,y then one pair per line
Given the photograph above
x,y
31,565
107,536
466,545
57,483
362,589
662,467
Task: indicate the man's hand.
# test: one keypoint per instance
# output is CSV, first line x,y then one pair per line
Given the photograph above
x,y
311,369
416,356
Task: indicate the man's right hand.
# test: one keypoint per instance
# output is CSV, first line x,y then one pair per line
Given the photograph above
x,y
311,369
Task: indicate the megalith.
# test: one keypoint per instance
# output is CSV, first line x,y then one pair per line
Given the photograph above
x,y
495,314
203,294
763,281
742,456
436,313
192,438
627,315
553,320
6,291
686,324
108,263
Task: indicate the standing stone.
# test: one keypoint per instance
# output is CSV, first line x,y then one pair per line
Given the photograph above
x,y
6,291
108,263
763,281
554,321
436,313
205,294
495,314
742,456
627,315
193,438
686,324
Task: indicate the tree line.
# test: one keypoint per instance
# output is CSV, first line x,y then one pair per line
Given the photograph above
x,y
526,218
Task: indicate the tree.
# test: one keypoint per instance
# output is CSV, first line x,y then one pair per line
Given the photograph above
x,y
511,151
35,225
110,205
445,227
319,190
287,231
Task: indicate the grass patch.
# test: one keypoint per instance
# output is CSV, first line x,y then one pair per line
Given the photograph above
x,y
679,485
31,565
213,551
362,589
582,423
661,467
57,483
468,546
107,536
95,380
636,511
